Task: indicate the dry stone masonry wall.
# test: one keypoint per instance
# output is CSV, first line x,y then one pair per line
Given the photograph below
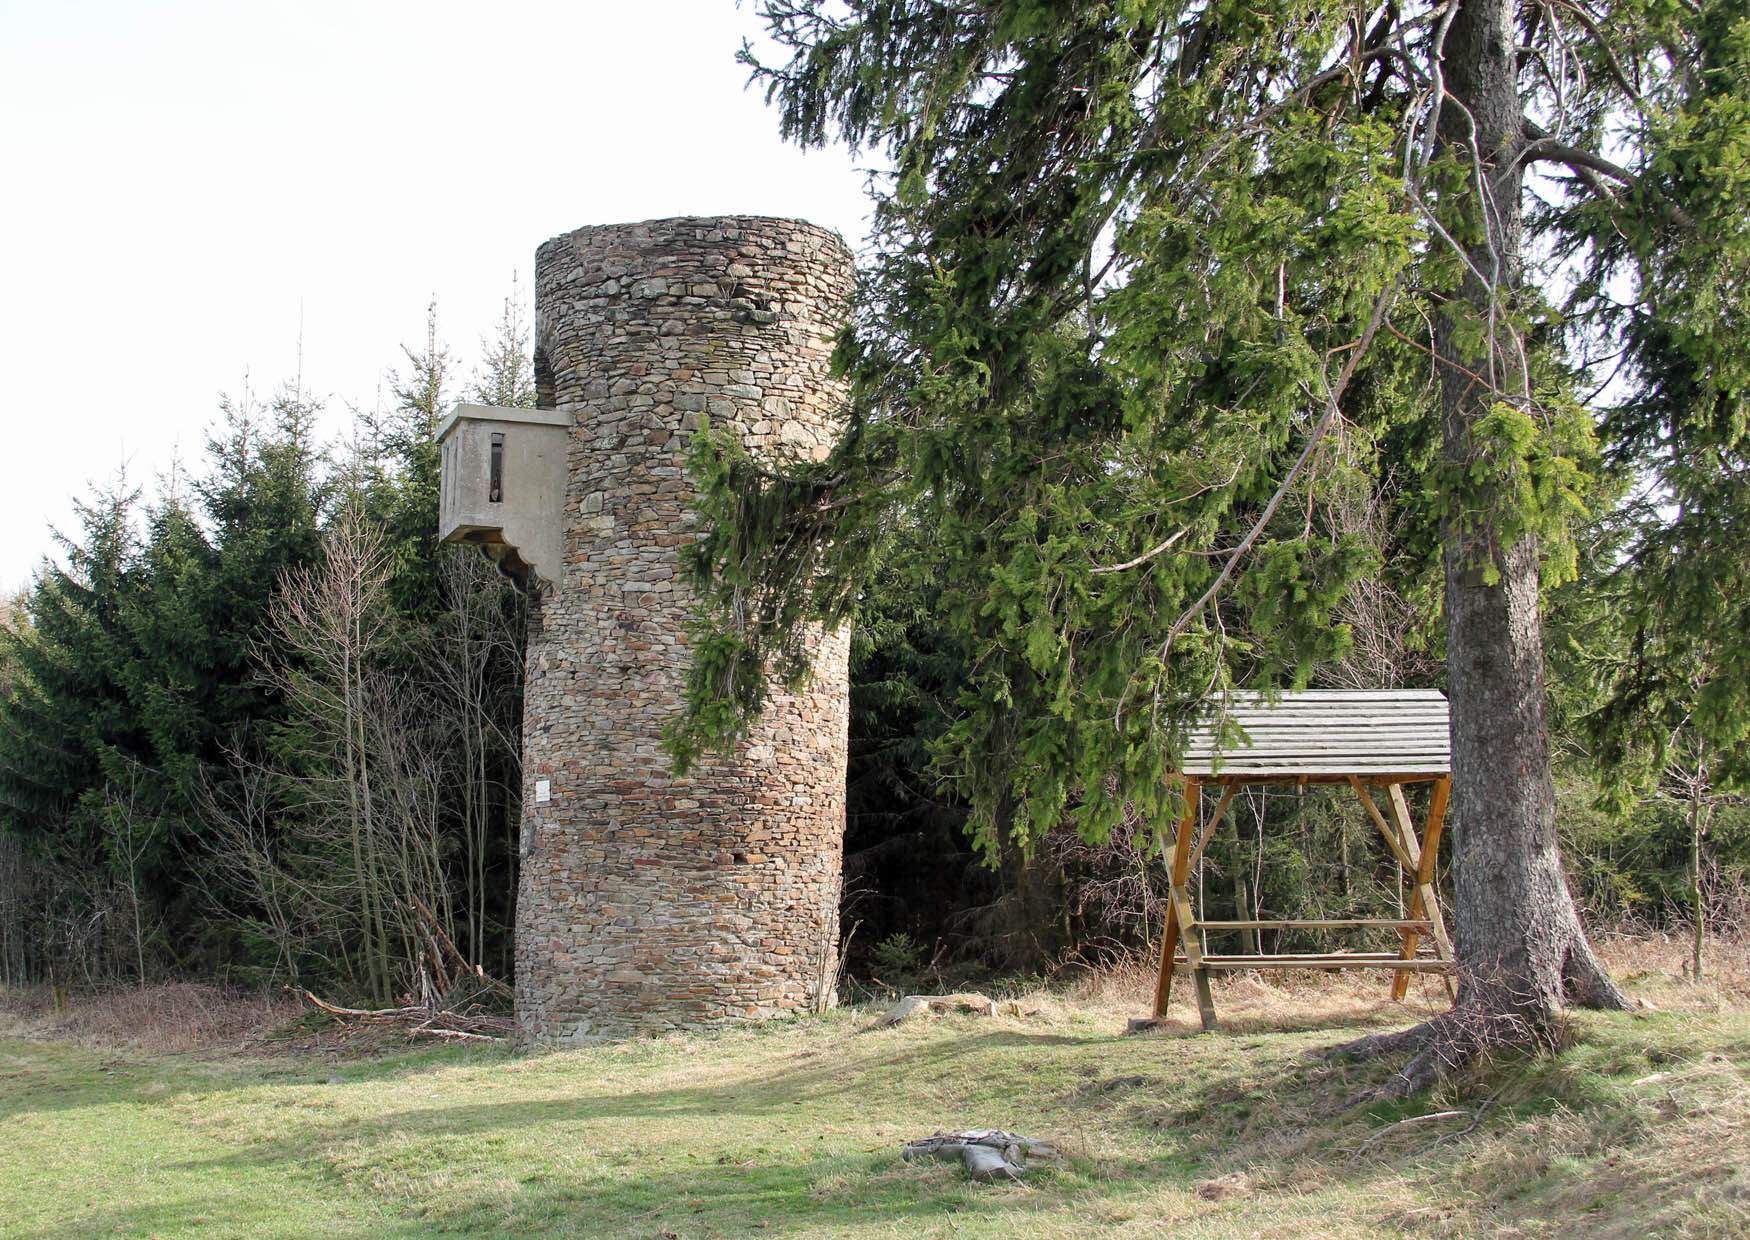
x,y
650,902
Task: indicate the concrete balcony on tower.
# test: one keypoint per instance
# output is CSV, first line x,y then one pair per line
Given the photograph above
x,y
503,487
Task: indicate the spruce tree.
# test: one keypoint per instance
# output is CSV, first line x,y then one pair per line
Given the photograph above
x,y
406,471
172,679
1148,280
68,719
263,499
506,376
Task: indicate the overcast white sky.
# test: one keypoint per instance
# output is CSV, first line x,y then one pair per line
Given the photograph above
x,y
179,182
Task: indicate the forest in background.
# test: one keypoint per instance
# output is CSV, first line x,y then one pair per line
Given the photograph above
x,y
255,721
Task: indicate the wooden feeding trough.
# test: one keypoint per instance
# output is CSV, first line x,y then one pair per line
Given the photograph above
x,y
1376,742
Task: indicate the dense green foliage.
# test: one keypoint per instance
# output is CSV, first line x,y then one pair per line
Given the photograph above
x,y
166,759
1143,349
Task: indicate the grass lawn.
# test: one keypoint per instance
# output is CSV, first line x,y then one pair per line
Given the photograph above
x,y
1642,1127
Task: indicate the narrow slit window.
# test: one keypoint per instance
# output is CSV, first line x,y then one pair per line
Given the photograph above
x,y
495,483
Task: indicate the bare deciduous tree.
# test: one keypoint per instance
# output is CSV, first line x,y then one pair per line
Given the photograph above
x,y
130,832
473,667
337,836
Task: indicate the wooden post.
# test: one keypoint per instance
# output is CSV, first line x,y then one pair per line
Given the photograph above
x,y
1379,820
1180,868
1187,917
1424,903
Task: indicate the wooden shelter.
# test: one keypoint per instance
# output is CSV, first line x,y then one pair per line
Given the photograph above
x,y
1374,741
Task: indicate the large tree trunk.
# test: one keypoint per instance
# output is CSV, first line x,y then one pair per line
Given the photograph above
x,y
1522,953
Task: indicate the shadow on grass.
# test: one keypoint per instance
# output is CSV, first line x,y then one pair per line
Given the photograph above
x,y
792,1135
802,1198
735,1154
748,1185
41,1076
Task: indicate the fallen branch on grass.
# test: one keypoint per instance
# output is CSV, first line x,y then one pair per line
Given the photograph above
x,y
373,1015
1412,1121
424,1021
449,988
986,1153
457,1035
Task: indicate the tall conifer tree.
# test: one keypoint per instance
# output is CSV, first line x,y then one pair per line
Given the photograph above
x,y
1149,278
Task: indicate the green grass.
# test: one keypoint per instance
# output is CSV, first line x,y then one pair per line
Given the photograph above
x,y
793,1129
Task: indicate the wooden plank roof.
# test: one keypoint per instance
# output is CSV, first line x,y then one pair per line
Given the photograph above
x,y
1325,733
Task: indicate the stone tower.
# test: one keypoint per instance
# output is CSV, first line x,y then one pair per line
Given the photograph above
x,y
649,902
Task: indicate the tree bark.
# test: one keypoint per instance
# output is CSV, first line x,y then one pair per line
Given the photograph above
x,y
1522,953
1698,792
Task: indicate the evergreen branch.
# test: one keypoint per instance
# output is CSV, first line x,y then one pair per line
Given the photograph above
x,y
1610,61
1144,558
1545,147
1333,411
1552,150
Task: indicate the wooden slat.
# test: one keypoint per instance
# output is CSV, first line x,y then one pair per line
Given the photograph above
x,y
1294,708
1327,737
1336,761
1331,757
1315,725
1380,701
1327,777
1292,712
1324,732
1289,772
1320,764
1424,964
1390,957
1383,923
1356,695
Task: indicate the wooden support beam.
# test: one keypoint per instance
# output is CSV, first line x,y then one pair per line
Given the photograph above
x,y
1422,964
1385,828
1400,817
1384,958
1180,868
1225,778
1424,902
1194,954
1205,1000
1208,832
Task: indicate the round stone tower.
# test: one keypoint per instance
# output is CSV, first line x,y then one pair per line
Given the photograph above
x,y
650,902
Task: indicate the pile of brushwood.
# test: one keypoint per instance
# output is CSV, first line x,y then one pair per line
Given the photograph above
x,y
457,1000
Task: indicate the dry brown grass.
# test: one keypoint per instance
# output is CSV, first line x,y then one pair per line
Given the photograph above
x,y
189,1017
1279,1000
173,1018
1652,965
1656,967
